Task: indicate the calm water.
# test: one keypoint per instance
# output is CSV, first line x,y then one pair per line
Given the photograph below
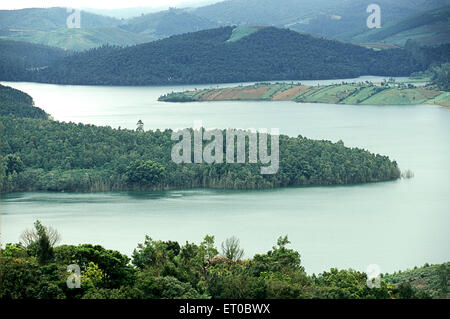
x,y
395,225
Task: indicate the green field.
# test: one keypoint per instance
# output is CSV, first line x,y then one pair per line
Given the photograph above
x,y
241,32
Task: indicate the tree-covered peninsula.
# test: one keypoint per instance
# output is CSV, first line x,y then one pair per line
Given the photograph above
x,y
42,154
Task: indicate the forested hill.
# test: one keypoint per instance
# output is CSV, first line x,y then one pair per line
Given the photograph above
x,y
17,57
426,28
208,57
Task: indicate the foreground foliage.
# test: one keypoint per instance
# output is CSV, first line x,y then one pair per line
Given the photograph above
x,y
166,269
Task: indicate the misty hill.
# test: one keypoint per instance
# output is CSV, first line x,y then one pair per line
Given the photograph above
x,y
79,39
48,26
340,19
166,23
262,12
18,57
208,57
323,17
427,28
46,19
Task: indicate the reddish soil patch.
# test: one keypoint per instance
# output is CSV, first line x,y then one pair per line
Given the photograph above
x,y
211,95
289,93
247,93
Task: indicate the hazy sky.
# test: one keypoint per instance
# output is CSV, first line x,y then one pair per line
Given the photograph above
x,y
101,4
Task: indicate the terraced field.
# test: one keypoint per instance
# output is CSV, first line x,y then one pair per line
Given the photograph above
x,y
362,93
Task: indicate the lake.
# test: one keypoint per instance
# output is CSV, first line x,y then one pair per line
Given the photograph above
x,y
396,225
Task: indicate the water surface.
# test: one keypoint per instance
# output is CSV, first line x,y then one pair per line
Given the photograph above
x,y
395,224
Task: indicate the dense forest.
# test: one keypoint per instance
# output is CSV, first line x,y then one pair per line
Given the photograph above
x,y
208,57
76,157
18,58
167,270
17,103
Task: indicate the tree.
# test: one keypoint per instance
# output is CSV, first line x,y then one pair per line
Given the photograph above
x,y
92,276
207,247
441,76
144,173
231,249
13,164
30,236
41,247
140,126
443,280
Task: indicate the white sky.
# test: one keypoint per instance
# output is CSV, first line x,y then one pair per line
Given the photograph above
x,y
98,4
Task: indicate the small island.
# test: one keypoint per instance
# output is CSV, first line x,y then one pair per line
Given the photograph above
x,y
368,93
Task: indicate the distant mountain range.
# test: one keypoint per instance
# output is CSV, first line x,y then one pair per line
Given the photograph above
x,y
228,54
339,19
49,27
323,17
166,23
427,28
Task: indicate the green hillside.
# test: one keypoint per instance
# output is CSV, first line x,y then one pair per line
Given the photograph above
x,y
322,17
432,279
82,38
342,20
48,27
242,32
47,19
166,23
428,28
